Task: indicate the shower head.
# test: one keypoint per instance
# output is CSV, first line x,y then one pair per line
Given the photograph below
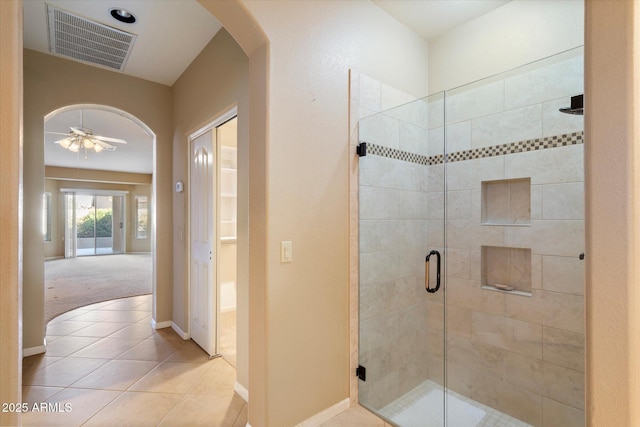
x,y
576,106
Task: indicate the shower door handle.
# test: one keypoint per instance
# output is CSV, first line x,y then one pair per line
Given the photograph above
x,y
426,273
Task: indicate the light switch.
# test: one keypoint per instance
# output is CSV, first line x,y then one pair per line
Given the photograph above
x,y
286,251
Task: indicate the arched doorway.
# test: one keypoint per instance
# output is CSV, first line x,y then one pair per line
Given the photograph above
x,y
98,200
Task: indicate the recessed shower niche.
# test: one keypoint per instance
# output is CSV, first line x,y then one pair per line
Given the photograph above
x,y
506,202
506,269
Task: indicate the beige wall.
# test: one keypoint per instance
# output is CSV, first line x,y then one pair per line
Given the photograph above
x,y
306,324
612,128
55,247
51,83
10,208
479,48
208,88
93,175
258,140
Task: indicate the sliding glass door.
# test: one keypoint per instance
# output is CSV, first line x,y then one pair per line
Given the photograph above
x,y
95,224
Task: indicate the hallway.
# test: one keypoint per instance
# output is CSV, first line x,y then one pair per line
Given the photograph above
x,y
111,368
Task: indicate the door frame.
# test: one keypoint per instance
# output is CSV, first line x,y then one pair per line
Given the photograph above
x,y
220,119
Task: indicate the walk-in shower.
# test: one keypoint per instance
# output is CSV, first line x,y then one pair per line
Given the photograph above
x,y
479,190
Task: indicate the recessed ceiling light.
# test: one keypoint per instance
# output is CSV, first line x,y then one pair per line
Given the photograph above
x,y
123,15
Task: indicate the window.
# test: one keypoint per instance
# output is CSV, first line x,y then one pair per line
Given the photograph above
x,y
46,216
142,214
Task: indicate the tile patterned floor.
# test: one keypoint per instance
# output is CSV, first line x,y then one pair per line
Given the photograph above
x,y
107,362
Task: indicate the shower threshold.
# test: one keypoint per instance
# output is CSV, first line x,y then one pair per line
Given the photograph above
x,y
423,407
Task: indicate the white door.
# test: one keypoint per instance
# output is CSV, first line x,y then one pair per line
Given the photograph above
x,y
203,242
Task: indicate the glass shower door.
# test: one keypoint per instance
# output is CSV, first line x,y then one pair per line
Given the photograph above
x,y
401,242
505,185
515,235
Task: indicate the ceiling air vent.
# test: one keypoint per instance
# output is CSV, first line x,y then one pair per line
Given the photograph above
x,y
78,38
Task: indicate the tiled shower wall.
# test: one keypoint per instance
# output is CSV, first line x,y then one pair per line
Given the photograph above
x,y
520,353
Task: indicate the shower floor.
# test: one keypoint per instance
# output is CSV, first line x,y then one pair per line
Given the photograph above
x,y
423,407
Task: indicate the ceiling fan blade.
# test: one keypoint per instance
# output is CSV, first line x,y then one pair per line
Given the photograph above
x,y
103,144
57,133
108,139
78,131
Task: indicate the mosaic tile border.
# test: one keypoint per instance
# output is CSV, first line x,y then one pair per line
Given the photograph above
x,y
394,153
555,141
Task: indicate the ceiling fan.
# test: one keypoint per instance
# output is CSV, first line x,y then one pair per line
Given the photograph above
x,y
80,138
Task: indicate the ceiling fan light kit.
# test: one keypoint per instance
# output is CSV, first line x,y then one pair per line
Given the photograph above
x,y
80,138
79,142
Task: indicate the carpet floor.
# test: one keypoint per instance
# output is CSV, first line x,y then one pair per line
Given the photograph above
x,y
73,283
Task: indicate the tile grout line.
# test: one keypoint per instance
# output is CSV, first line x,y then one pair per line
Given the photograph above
x,y
188,357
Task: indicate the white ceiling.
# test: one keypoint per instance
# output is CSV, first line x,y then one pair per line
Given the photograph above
x,y
170,34
430,18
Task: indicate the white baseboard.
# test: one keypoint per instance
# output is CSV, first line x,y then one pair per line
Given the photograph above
x,y
183,335
170,324
160,325
242,391
26,352
326,415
